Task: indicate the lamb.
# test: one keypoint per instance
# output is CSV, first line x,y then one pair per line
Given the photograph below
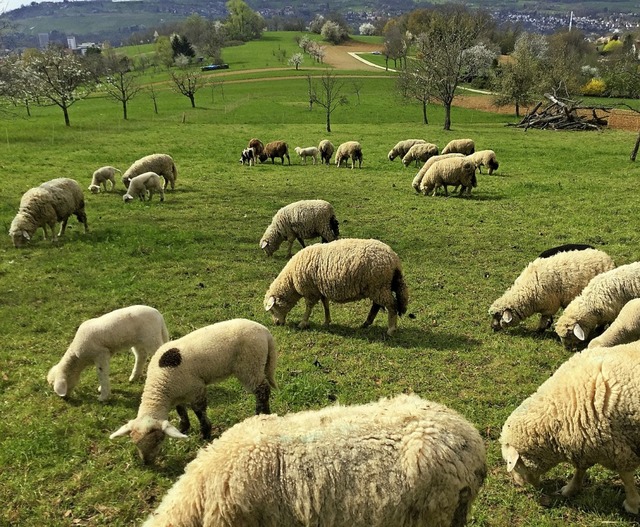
x,y
53,201
101,176
587,413
139,186
598,304
460,146
402,147
161,164
399,462
454,171
350,149
546,285
257,146
420,175
300,221
485,158
273,150
566,247
624,329
140,328
420,152
180,371
326,149
310,151
343,271
249,156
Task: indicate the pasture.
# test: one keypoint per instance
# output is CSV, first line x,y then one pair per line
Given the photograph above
x,y
195,257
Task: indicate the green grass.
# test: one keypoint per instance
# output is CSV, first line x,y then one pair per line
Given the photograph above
x,y
195,257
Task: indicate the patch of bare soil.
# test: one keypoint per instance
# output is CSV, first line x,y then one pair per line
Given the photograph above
x,y
339,58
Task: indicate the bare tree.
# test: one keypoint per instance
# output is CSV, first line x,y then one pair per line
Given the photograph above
x,y
330,94
411,85
187,82
120,83
357,87
154,97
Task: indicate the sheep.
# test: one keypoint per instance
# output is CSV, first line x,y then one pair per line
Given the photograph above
x,y
310,151
53,201
257,146
624,329
402,461
139,186
420,152
454,171
300,221
101,176
350,149
485,158
598,304
566,247
326,149
587,413
343,271
402,147
249,156
460,146
180,371
273,150
140,328
161,164
546,285
418,178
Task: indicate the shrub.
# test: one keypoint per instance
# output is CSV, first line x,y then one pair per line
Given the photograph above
x,y
594,88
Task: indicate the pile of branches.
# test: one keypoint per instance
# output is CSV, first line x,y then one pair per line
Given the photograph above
x,y
564,114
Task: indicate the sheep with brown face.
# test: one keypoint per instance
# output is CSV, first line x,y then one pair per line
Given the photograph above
x,y
275,149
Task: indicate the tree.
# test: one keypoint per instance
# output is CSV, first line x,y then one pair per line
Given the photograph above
x,y
329,96
622,76
187,82
243,23
180,45
15,82
296,59
367,29
315,26
163,51
568,52
153,95
333,32
394,44
120,82
411,85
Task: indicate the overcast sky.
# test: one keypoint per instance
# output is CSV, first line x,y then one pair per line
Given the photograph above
x,y
8,5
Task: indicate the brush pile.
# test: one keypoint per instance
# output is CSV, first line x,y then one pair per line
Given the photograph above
x,y
564,114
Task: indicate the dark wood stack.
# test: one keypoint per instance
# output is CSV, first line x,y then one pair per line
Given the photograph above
x,y
564,114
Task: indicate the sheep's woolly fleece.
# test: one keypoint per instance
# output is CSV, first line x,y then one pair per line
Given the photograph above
x,y
417,181
161,164
402,147
349,149
624,329
420,152
460,146
326,150
454,171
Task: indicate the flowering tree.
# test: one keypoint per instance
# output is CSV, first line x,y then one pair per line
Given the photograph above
x,y
367,29
296,59
14,83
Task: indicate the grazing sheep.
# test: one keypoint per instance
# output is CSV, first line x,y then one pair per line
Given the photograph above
x,y
565,247
342,271
300,221
398,462
420,152
624,329
587,413
139,186
161,164
454,171
257,146
598,304
402,147
273,150
101,176
44,206
140,328
485,158
326,149
249,156
350,149
546,285
420,175
460,146
310,151
180,371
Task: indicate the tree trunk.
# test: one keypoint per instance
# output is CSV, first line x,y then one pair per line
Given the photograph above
x,y
192,98
517,109
447,116
124,110
424,113
635,148
328,121
65,111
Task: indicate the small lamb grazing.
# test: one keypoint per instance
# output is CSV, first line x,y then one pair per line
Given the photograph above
x,y
350,149
486,158
139,186
273,150
101,176
420,175
587,413
454,171
161,164
310,151
326,149
248,156
624,329
180,371
598,304
566,247
300,221
44,206
460,146
402,147
344,270
546,285
140,328
420,152
257,146
403,461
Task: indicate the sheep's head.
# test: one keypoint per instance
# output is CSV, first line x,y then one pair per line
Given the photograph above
x,y
126,180
504,319
263,157
573,337
147,434
521,469
95,189
127,198
63,380
269,247
19,237
391,155
278,307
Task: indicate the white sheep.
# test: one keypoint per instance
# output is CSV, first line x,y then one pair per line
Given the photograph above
x,y
310,151
342,271
349,149
486,158
460,146
326,149
546,285
417,180
52,202
300,221
180,371
454,171
587,413
398,462
140,328
420,152
598,304
161,164
624,329
101,176
143,185
402,147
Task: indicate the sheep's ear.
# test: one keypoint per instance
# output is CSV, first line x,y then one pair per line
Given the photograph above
x,y
25,235
122,431
579,332
60,386
511,456
270,303
263,244
507,316
172,431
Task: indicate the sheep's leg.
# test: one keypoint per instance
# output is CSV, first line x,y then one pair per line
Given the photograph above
x,y
199,407
373,312
575,484
82,218
161,194
184,423
393,321
301,241
138,365
632,500
545,323
309,303
63,226
262,393
102,366
327,314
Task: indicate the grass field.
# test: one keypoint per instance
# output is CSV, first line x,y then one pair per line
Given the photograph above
x,y
195,257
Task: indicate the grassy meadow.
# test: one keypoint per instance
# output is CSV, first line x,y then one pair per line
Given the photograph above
x,y
195,257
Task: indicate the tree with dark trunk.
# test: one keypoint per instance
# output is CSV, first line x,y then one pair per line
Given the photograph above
x,y
330,94
187,82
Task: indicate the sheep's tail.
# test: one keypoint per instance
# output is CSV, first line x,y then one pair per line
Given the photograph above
x,y
399,287
270,366
334,226
174,170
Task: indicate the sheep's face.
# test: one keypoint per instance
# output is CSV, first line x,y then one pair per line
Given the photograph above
x,y
127,198
573,338
504,319
522,469
20,238
278,309
95,189
269,247
391,155
148,441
